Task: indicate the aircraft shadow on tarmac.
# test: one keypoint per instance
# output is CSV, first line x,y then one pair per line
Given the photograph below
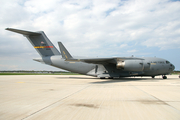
x,y
123,78
100,81
126,80
75,78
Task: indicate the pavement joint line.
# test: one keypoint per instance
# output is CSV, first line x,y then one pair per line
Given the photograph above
x,y
53,103
158,99
99,108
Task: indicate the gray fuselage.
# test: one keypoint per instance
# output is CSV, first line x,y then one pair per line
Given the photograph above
x,y
149,66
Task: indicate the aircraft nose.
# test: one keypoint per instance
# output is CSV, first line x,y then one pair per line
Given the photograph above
x,y
172,66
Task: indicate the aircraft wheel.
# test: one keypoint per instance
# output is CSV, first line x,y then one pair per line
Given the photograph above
x,y
164,77
153,76
102,77
110,77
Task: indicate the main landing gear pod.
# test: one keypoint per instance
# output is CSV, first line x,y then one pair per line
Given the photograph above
x,y
164,76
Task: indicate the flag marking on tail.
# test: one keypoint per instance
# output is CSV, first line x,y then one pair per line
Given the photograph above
x,y
43,46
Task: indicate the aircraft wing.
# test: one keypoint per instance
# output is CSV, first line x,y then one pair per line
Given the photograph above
x,y
112,60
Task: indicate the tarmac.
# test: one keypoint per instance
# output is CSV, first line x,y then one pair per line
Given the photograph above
x,y
79,97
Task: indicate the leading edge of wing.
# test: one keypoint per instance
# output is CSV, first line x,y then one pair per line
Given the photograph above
x,y
104,60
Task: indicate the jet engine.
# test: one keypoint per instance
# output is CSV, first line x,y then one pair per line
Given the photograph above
x,y
130,65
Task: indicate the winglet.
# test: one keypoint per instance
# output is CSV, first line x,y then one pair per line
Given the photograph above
x,y
65,54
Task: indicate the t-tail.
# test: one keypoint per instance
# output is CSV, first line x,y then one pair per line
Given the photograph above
x,y
39,41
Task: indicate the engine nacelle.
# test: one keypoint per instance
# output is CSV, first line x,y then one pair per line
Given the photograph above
x,y
130,65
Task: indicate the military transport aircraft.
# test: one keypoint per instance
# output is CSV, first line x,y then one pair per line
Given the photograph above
x,y
98,67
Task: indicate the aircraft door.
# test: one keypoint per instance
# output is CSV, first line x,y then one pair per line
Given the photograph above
x,y
146,66
96,69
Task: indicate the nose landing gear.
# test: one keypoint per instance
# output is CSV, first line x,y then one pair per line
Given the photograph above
x,y
164,77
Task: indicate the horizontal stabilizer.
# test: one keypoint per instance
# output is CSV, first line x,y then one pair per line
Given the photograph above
x,y
23,32
39,41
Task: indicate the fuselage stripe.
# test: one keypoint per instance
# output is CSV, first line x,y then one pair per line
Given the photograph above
x,y
43,46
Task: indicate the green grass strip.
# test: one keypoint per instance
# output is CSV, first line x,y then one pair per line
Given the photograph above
x,y
39,74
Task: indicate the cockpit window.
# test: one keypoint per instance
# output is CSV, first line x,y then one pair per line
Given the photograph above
x,y
167,62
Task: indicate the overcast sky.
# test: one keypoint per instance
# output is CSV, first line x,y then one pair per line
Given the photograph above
x,y
91,28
